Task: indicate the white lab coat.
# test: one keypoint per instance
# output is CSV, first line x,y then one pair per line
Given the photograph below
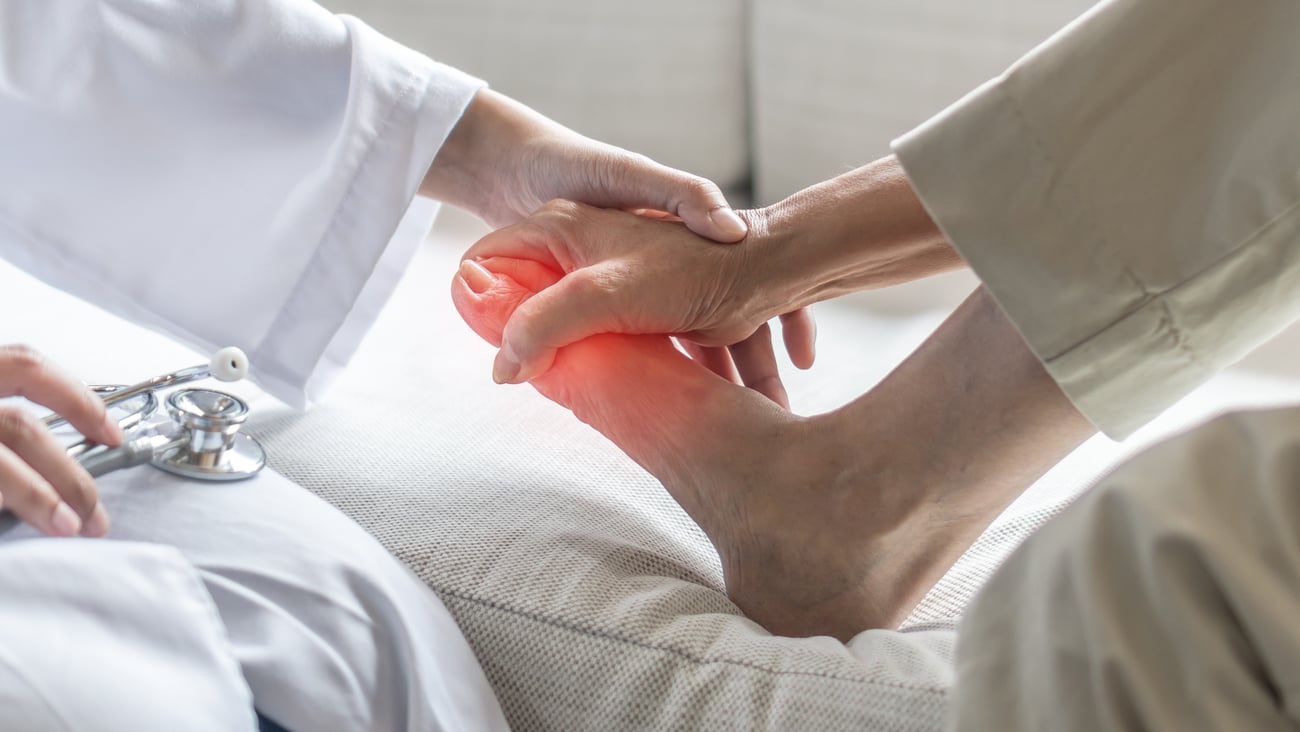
x,y
235,172
231,172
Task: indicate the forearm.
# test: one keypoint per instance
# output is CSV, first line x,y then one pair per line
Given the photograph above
x,y
862,230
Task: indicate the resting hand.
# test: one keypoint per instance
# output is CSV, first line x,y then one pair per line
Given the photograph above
x,y
631,274
38,481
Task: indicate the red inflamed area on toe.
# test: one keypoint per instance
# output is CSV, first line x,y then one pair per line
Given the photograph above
x,y
637,390
486,293
590,376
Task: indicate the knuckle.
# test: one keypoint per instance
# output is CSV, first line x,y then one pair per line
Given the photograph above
x,y
80,492
705,190
22,357
559,218
615,167
595,286
30,496
628,164
18,426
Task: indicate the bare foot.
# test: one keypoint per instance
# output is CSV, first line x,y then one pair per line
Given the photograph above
x,y
813,538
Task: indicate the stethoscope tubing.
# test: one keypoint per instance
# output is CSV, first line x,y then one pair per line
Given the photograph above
x,y
166,381
101,460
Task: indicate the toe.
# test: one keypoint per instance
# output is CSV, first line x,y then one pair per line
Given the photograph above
x,y
487,292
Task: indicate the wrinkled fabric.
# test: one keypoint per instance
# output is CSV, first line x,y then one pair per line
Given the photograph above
x,y
1164,599
1128,193
232,590
128,627
235,172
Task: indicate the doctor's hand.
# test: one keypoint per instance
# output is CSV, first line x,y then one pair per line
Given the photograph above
x,y
503,160
38,481
632,274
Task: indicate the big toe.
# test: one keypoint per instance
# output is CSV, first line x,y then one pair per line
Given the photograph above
x,y
486,293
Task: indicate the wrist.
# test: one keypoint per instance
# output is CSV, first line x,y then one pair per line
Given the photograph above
x,y
863,230
471,164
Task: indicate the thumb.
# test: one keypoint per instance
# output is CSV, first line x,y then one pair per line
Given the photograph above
x,y
634,181
564,313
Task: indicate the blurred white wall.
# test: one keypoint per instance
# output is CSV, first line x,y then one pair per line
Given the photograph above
x,y
664,78
766,96
834,81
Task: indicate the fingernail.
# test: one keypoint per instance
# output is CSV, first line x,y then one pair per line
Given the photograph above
x,y
729,222
65,521
97,525
478,278
506,366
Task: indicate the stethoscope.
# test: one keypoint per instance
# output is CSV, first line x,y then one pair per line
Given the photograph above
x,y
198,438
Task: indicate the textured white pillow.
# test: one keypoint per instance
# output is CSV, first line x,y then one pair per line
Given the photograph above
x,y
665,79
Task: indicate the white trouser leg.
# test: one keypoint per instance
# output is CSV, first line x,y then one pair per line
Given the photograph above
x,y
330,631
1168,598
113,636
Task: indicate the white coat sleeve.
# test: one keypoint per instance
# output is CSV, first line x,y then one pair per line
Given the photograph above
x,y
230,172
1128,193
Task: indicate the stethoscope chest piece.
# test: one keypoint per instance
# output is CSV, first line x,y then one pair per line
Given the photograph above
x,y
214,448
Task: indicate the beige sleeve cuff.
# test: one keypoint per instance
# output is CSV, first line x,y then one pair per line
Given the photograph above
x,y
1128,193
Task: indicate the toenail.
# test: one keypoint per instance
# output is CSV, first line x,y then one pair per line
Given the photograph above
x,y
478,278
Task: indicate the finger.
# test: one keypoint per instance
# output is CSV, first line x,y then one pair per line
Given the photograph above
x,y
756,362
32,498
799,331
634,181
26,437
715,358
25,373
574,308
